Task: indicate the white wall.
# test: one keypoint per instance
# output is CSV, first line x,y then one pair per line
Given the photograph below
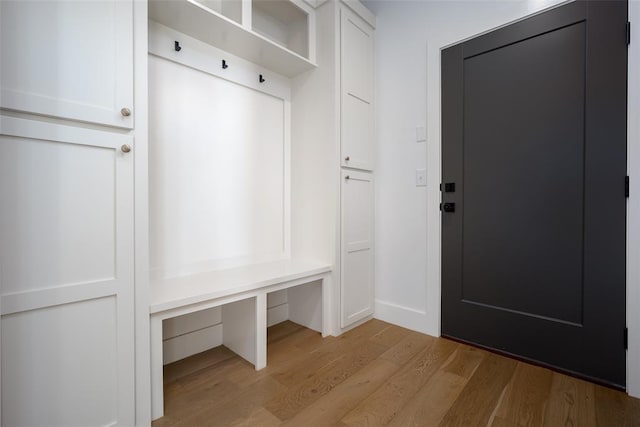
x,y
409,37
408,40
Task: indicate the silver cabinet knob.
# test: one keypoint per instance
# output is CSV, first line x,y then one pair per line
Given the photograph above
x,y
125,148
125,112
346,159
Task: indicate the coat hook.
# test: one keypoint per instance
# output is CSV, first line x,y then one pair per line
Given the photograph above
x,y
224,65
261,79
176,46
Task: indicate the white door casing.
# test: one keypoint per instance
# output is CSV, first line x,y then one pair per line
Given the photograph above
x,y
357,269
66,275
68,59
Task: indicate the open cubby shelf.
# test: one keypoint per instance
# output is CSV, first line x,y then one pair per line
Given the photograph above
x,y
274,34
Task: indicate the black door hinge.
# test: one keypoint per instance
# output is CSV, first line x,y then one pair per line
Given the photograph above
x,y
626,186
626,338
628,33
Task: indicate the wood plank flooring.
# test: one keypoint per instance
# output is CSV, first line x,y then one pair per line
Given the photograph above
x,y
380,374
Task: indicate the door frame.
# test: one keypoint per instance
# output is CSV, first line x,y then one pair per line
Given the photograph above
x,y
434,173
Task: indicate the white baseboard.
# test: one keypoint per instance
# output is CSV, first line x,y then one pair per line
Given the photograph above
x,y
406,317
195,342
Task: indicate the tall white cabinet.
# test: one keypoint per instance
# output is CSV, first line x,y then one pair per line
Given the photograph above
x,y
67,213
357,148
334,159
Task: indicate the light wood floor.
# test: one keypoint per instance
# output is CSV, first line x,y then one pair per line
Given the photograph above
x,y
380,374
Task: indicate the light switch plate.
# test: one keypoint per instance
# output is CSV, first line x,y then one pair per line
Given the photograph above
x,y
421,177
421,134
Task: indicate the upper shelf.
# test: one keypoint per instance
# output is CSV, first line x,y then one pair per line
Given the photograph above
x,y
274,34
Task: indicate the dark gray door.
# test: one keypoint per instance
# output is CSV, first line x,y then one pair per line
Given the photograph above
x,y
533,234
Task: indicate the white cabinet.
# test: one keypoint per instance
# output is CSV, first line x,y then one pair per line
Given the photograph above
x,y
356,72
67,312
357,150
357,246
333,133
66,257
68,59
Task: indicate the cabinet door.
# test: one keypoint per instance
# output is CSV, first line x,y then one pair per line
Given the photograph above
x,y
357,280
68,59
356,71
66,283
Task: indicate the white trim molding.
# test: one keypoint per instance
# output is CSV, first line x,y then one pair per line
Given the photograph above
x,y
406,317
633,206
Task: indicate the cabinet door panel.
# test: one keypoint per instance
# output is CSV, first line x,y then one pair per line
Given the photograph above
x,y
356,72
66,282
357,133
356,57
77,386
68,59
357,280
57,214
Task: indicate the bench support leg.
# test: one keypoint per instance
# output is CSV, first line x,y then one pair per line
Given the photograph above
x,y
306,306
157,391
240,331
326,305
261,331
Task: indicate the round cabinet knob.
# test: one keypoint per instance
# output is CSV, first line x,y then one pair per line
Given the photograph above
x,y
125,112
125,148
346,159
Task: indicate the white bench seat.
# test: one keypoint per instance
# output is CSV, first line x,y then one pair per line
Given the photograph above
x,y
182,291
242,293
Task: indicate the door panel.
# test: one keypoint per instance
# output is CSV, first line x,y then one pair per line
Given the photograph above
x,y
510,164
66,258
357,246
356,56
77,386
357,304
70,209
357,133
534,136
68,59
